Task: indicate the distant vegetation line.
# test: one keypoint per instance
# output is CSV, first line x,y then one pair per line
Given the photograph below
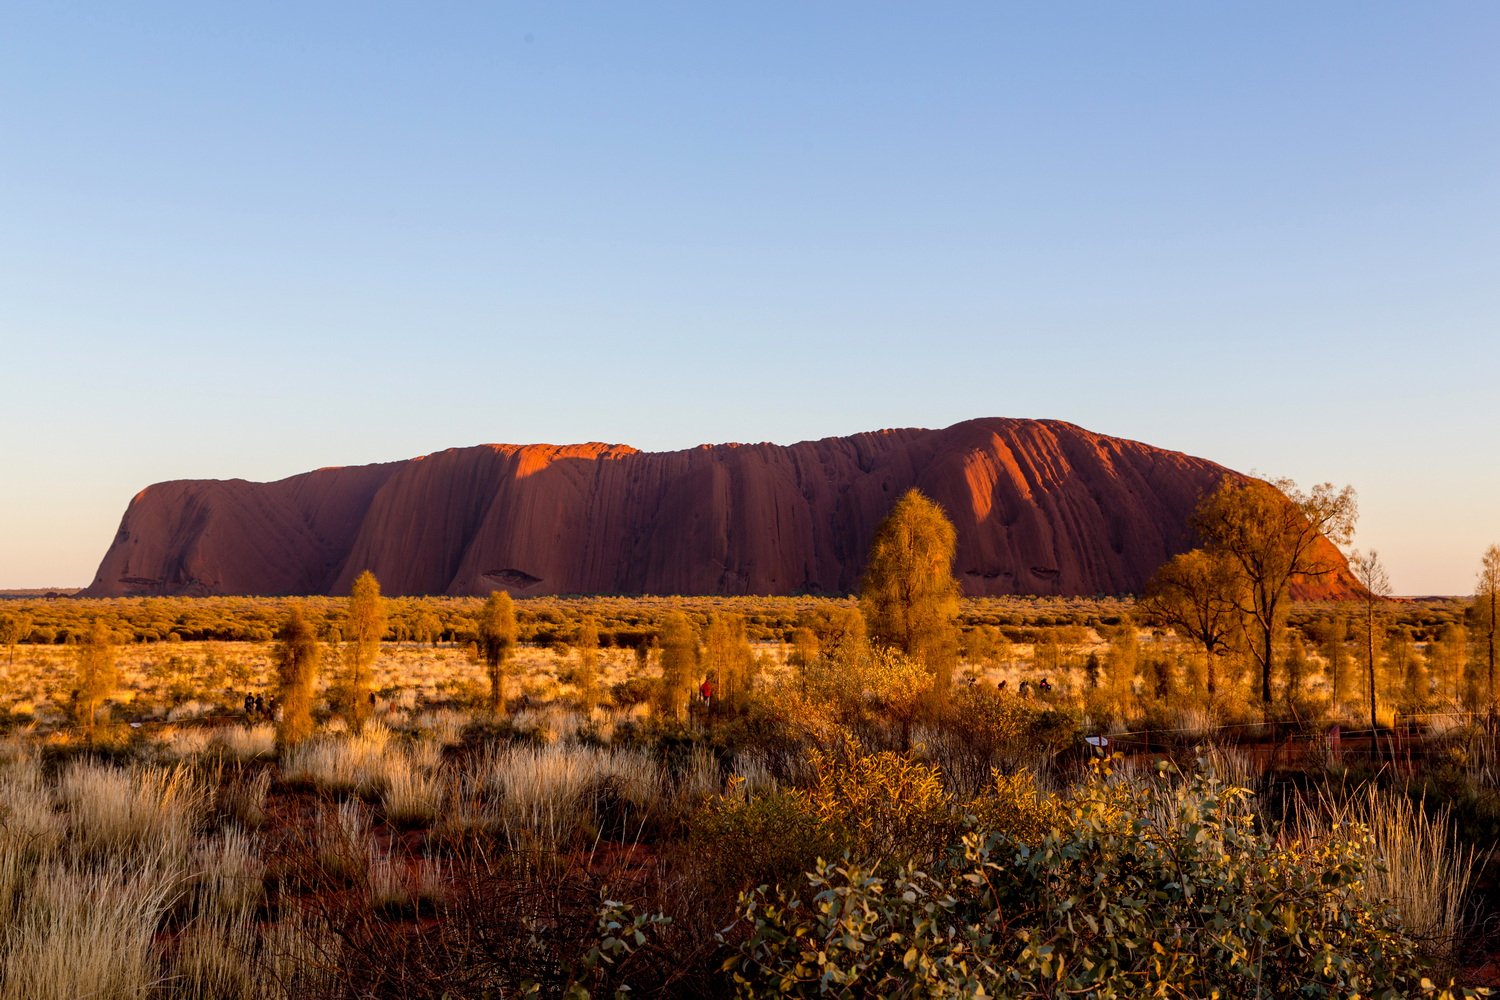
x,y
622,621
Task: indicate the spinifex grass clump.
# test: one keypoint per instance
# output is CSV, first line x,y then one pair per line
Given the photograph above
x,y
114,812
87,933
1419,868
547,798
413,791
342,764
401,887
230,875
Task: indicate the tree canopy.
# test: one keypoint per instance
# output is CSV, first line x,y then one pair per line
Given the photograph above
x,y
297,656
496,639
1273,533
365,629
909,597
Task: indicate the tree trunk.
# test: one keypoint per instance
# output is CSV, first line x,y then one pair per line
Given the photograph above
x,y
1494,593
1370,653
1265,669
497,689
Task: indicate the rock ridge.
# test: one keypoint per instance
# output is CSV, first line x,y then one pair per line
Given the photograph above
x,y
1040,507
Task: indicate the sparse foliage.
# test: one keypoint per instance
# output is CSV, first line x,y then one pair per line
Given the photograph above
x,y
97,676
1375,587
1274,534
728,660
586,672
679,664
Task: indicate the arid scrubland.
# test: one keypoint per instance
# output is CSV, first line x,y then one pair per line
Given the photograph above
x,y
875,798
444,849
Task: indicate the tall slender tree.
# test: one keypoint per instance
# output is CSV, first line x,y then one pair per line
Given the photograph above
x,y
1486,615
297,657
586,674
728,658
367,621
909,596
1375,587
97,675
679,664
497,639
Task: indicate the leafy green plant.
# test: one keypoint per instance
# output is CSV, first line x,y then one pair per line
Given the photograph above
x,y
1143,889
894,807
738,842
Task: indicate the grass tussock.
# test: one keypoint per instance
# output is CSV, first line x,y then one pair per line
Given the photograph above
x,y
87,933
149,812
545,798
342,763
1417,866
413,790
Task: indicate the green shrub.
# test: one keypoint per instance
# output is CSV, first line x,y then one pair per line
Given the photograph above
x,y
738,843
982,729
893,807
1014,804
1144,889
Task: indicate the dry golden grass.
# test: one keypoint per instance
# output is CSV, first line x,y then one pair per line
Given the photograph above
x,y
413,789
144,813
87,933
228,879
543,799
188,844
342,763
1421,869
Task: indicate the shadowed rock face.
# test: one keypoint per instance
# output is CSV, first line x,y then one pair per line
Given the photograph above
x,y
1041,507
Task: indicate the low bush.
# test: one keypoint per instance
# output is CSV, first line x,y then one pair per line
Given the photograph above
x,y
738,842
1143,889
892,807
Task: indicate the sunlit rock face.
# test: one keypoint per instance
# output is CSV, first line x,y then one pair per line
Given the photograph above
x,y
1041,507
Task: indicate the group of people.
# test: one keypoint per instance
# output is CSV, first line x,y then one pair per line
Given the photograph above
x,y
261,709
1041,687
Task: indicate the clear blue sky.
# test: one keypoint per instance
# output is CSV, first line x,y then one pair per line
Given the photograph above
x,y
248,240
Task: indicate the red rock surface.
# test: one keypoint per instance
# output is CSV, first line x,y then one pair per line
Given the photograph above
x,y
1041,507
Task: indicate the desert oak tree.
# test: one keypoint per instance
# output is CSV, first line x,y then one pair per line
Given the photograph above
x,y
1485,608
367,620
497,638
586,674
679,663
297,657
97,675
909,596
